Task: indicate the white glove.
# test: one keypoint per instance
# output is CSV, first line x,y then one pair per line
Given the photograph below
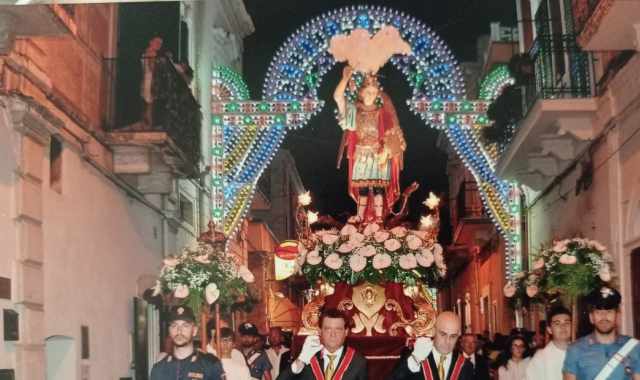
x,y
422,348
310,347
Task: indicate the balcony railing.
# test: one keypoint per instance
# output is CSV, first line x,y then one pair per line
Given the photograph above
x,y
561,70
150,95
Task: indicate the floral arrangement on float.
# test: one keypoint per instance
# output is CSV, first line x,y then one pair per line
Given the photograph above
x,y
570,268
202,275
370,253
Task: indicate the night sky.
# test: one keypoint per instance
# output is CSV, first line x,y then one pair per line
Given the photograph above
x,y
314,147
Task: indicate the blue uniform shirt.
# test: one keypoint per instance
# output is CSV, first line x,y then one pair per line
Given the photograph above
x,y
198,366
586,358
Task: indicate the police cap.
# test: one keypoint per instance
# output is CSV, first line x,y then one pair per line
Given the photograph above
x,y
604,298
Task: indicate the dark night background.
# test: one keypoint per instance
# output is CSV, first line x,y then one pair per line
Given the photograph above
x,y
314,147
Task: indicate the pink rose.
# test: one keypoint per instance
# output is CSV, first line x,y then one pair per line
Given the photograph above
x,y
538,264
182,291
425,258
597,245
381,261
509,290
356,239
333,261
560,246
329,239
532,290
357,263
314,258
413,242
381,236
348,229
366,251
567,259
345,247
399,231
437,249
407,262
371,229
442,272
392,245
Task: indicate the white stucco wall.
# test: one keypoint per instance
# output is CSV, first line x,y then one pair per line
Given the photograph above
x,y
97,243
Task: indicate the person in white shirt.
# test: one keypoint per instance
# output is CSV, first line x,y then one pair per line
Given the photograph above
x,y
276,350
234,369
515,359
547,362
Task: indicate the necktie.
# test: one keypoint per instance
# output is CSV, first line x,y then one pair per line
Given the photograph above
x,y
441,370
328,372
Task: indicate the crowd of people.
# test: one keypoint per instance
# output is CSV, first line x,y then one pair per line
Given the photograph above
x,y
603,354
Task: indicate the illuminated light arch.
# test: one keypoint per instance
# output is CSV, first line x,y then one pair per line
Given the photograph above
x,y
290,97
495,81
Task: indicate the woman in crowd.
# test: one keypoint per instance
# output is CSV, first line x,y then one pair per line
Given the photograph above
x,y
514,360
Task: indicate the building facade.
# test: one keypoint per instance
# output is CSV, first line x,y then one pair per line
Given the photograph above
x,y
91,205
576,149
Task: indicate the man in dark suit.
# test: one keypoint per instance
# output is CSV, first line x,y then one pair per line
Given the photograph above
x,y
325,357
437,359
479,363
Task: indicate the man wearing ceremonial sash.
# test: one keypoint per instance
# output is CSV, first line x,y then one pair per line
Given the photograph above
x,y
437,359
326,357
603,354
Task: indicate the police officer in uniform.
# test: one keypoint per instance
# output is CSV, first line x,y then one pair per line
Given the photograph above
x,y
603,354
185,362
256,359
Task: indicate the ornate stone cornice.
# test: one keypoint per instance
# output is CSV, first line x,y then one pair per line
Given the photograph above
x,y
30,118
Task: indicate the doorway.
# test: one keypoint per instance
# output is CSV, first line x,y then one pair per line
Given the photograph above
x,y
60,353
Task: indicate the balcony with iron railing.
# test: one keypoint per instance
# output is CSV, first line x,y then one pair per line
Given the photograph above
x,y
558,104
150,100
606,25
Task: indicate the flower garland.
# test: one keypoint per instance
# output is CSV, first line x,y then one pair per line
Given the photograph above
x,y
201,274
372,254
570,267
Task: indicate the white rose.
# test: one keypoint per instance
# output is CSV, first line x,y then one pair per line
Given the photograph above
x,y
414,242
357,263
605,273
171,262
567,259
333,261
348,229
392,245
437,249
157,290
425,258
356,239
371,229
345,247
182,291
314,258
211,293
381,236
407,262
203,259
399,231
381,261
366,251
538,264
329,239
245,274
